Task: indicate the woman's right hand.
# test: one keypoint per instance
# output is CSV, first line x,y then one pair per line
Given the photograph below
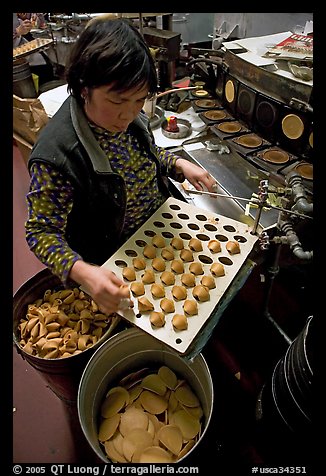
x,y
105,288
24,28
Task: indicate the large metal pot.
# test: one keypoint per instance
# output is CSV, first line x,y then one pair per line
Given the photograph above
x,y
128,351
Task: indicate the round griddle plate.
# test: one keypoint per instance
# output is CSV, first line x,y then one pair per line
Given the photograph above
x,y
305,170
229,91
311,139
205,103
230,127
292,126
201,93
275,156
250,141
215,115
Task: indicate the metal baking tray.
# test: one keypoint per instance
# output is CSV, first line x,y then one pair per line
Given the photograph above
x,y
179,219
33,46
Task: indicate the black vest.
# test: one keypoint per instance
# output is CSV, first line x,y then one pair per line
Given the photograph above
x,y
95,223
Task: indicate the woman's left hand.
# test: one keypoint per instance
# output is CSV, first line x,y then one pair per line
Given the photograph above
x,y
196,175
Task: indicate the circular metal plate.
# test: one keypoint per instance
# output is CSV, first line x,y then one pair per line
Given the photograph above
x,y
215,115
201,93
205,103
185,129
249,141
305,170
292,126
230,127
275,156
229,91
311,140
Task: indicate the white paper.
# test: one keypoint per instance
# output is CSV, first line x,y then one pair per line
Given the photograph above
x,y
53,99
190,115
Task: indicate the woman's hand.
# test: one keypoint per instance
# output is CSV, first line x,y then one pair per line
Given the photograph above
x,y
196,175
24,28
105,288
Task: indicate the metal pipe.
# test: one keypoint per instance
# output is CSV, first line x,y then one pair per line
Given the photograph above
x,y
294,180
272,272
294,242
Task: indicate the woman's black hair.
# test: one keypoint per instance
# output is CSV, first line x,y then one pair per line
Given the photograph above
x,y
110,52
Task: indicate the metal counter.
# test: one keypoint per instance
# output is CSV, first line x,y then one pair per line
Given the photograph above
x,y
236,177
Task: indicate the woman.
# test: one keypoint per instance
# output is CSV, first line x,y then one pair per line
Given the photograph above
x,y
96,174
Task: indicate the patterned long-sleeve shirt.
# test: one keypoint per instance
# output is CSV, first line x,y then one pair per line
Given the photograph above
x,y
50,198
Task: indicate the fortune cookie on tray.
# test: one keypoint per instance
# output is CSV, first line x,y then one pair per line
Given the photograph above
x,y
139,263
148,277
158,241
188,279
177,266
137,289
208,281
177,243
168,278
149,251
167,254
167,305
180,322
158,264
195,244
186,255
233,247
190,307
144,304
129,274
158,290
179,292
157,319
201,293
196,268
214,246
217,269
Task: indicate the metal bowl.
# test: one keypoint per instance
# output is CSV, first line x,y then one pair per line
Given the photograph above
x,y
185,129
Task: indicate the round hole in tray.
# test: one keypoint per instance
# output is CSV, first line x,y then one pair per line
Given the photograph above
x,y
138,315
210,227
141,243
183,216
173,206
131,253
240,239
201,217
226,261
185,236
120,263
193,226
176,225
149,233
167,234
203,237
221,237
205,259
158,224
178,340
167,215
229,228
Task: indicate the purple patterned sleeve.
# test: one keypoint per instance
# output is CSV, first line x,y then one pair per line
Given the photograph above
x,y
49,201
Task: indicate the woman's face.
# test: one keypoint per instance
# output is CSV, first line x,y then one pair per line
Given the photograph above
x,y
113,110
